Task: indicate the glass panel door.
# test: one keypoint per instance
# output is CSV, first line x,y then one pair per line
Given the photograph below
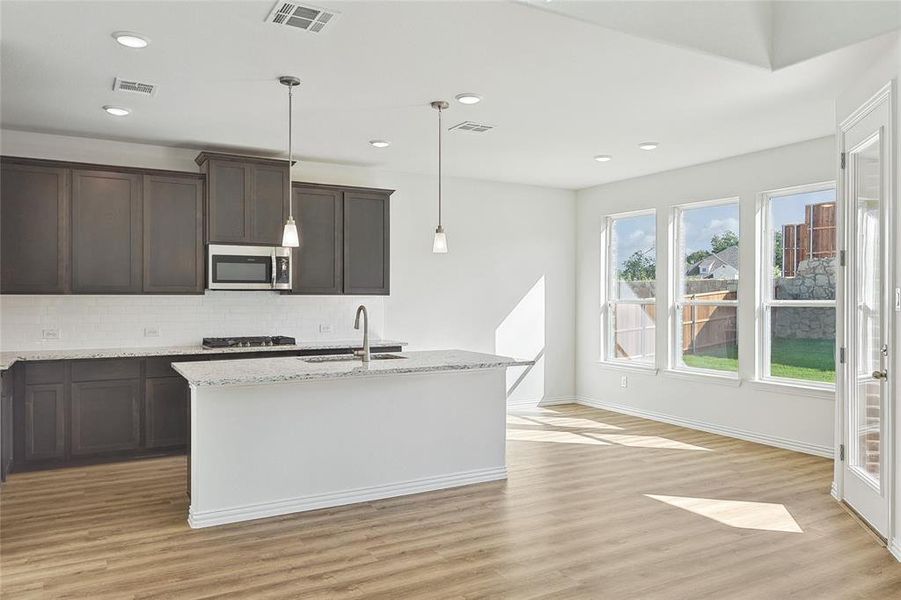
x,y
866,397
867,318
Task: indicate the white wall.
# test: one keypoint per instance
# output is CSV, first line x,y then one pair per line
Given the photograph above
x,y
507,284
752,411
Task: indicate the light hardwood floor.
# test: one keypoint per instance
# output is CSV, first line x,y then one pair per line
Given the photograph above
x,y
574,520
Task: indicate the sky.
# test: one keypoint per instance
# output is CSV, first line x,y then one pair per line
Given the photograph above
x,y
700,224
785,210
633,233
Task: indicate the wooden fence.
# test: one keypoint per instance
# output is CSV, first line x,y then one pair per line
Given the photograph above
x,y
709,326
703,327
815,238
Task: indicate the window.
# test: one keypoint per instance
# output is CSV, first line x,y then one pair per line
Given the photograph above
x,y
796,340
631,279
705,277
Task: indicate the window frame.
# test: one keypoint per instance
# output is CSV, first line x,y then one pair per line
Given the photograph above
x,y
764,288
677,269
609,301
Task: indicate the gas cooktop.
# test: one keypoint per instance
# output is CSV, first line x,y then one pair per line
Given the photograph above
x,y
248,342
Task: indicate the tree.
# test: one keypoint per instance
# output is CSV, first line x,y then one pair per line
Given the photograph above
x,y
720,242
696,256
777,252
638,267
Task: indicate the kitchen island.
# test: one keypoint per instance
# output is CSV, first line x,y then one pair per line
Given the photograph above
x,y
271,436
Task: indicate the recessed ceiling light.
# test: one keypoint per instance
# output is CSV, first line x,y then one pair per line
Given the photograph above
x,y
379,143
131,40
648,145
116,111
468,98
603,157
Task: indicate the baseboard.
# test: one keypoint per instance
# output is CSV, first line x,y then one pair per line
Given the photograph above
x,y
557,400
894,546
546,401
833,491
292,505
742,434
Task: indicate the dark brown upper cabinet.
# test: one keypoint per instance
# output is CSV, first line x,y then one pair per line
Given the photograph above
x,y
106,232
318,263
366,242
246,198
34,229
173,235
344,240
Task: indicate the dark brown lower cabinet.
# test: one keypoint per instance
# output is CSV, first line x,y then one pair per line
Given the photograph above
x,y
44,434
106,416
6,423
166,407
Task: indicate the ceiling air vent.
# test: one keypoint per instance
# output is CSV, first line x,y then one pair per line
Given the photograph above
x,y
471,127
134,87
302,16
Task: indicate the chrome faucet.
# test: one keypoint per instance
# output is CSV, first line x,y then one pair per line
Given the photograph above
x,y
364,353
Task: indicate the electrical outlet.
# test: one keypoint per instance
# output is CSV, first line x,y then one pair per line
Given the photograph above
x,y
151,332
624,381
50,334
326,328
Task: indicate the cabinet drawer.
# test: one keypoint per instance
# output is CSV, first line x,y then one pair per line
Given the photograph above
x,y
45,372
104,369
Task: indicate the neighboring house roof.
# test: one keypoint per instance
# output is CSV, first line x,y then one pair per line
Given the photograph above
x,y
708,264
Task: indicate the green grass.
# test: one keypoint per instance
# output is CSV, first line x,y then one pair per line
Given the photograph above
x,y
808,360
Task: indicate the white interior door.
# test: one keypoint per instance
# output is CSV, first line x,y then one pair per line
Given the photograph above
x,y
867,382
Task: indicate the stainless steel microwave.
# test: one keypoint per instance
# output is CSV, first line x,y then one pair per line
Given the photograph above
x,y
248,267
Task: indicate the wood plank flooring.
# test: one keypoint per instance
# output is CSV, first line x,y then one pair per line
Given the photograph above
x,y
574,520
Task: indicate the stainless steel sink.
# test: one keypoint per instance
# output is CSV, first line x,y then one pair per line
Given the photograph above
x,y
347,358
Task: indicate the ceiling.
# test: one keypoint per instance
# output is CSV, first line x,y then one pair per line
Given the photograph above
x,y
561,82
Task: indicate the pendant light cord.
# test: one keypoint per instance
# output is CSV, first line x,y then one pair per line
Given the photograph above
x,y
290,147
439,166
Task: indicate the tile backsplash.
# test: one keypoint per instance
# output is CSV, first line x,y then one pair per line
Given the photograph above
x,y
122,321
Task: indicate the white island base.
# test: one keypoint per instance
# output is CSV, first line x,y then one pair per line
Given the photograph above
x,y
270,449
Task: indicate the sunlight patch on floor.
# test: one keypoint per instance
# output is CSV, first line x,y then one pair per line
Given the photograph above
x,y
557,437
647,441
571,422
763,516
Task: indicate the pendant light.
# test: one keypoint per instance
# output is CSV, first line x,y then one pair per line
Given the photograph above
x,y
439,246
290,239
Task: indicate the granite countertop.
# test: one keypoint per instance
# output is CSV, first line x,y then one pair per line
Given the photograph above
x,y
8,358
255,371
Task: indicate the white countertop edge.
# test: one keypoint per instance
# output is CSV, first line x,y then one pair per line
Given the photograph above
x,y
458,360
8,358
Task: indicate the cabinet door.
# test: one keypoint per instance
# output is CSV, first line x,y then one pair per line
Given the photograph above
x,y
166,407
173,235
34,230
6,423
45,421
269,205
366,243
106,416
229,201
106,232
317,263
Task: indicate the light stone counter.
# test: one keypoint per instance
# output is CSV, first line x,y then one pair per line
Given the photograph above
x,y
255,371
7,359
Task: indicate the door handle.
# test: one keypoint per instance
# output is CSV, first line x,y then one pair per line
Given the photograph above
x,y
880,374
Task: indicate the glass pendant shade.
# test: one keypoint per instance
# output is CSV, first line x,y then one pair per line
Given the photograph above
x,y
290,239
439,246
